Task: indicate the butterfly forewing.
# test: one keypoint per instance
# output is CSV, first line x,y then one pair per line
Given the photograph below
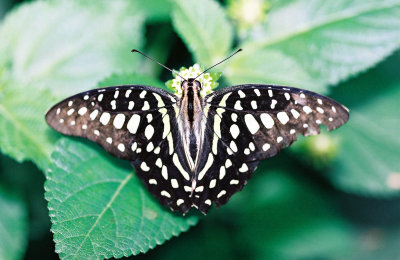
x,y
249,123
135,123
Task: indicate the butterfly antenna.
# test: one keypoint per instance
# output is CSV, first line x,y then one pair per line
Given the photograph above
x,y
165,67
218,63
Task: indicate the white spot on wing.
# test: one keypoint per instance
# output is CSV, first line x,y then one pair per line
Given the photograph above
x,y
241,94
146,106
295,113
222,193
307,109
94,114
283,117
174,183
267,120
233,146
121,147
243,168
238,106
82,111
105,118
266,147
119,121
131,105
234,131
251,123
273,103
113,104
149,131
143,94
70,112
144,167
228,163
165,194
213,183
109,140
133,124
222,172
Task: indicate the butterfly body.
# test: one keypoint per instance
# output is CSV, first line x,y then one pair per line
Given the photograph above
x,y
192,149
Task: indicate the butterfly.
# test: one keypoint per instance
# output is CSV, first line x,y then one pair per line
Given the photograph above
x,y
194,149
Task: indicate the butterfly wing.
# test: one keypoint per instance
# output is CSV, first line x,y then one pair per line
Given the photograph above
x,y
249,123
135,123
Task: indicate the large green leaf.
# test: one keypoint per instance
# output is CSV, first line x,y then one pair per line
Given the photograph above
x,y
23,130
99,208
283,217
368,161
330,40
156,10
13,226
204,28
72,46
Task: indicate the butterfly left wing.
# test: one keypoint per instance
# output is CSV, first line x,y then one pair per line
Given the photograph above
x,y
249,123
135,123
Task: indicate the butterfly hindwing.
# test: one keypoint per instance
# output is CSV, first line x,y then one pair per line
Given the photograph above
x,y
249,123
135,123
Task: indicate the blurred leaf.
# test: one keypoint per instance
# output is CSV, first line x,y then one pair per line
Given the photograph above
x,y
368,161
156,10
267,67
330,40
100,209
68,46
281,217
204,28
23,130
13,226
131,78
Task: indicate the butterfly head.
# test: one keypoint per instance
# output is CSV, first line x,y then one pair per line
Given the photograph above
x,y
191,83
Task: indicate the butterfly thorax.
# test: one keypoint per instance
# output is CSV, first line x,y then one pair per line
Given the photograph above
x,y
191,113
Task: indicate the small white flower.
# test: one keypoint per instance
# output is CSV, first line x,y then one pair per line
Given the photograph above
x,y
192,72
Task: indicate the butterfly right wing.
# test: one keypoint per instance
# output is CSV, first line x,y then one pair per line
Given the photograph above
x,y
135,123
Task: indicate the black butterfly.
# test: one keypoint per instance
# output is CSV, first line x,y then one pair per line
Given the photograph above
x,y
190,150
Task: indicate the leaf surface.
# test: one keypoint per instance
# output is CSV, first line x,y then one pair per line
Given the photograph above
x,y
204,28
330,40
100,209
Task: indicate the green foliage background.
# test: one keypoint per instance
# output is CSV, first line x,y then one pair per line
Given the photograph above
x,y
331,196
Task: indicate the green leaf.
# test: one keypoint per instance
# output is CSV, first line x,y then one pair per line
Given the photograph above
x,y
13,226
204,28
72,46
329,40
100,209
368,160
156,10
268,67
298,219
131,78
23,131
